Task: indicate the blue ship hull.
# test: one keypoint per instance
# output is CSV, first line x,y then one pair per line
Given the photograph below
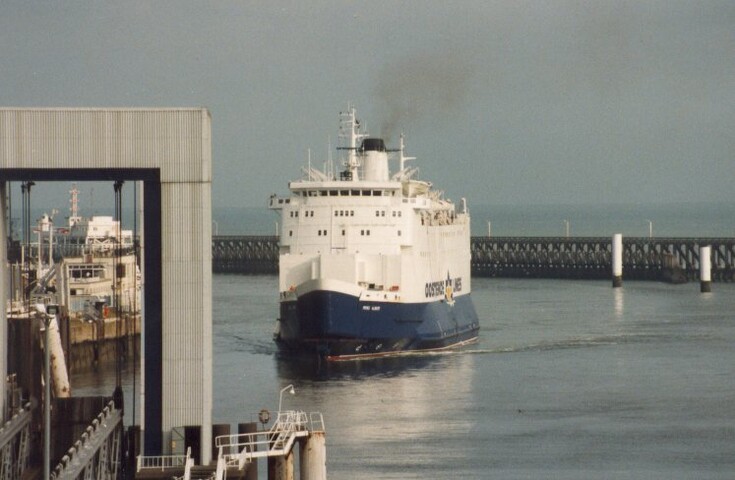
x,y
341,327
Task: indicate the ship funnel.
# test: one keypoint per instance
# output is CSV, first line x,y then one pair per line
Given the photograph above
x,y
373,144
375,160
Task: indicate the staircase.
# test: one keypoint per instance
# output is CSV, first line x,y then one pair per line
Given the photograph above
x,y
277,441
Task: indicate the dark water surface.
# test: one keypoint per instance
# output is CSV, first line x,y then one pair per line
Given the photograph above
x,y
570,380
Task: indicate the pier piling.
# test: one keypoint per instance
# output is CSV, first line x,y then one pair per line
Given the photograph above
x,y
282,467
617,260
313,457
705,269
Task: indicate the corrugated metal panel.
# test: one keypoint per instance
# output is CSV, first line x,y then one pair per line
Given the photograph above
x,y
187,328
178,141
4,276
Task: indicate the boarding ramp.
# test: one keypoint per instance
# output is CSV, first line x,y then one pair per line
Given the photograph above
x,y
97,453
15,444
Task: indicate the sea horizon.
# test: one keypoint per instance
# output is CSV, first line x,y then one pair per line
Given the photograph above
x,y
680,219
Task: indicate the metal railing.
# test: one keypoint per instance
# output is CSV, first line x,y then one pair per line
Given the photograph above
x,y
161,462
275,441
102,436
15,443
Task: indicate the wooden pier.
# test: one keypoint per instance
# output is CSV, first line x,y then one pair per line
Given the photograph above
x,y
644,258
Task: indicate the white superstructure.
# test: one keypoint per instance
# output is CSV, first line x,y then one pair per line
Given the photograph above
x,y
371,263
372,234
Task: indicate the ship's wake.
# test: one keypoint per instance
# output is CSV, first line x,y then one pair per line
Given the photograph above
x,y
570,343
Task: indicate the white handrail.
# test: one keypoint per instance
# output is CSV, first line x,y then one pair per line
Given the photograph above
x,y
275,441
160,462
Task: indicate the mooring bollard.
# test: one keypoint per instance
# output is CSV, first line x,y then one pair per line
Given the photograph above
x,y
617,260
705,269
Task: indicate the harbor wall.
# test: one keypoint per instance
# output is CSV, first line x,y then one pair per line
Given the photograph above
x,y
673,260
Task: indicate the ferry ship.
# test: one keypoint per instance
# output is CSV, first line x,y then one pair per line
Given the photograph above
x,y
372,262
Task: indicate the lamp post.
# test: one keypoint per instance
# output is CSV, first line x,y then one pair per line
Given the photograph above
x,y
566,224
650,228
280,396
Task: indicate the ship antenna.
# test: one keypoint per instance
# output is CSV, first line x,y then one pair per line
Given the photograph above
x,y
330,162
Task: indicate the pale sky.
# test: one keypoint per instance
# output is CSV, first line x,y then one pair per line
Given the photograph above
x,y
503,102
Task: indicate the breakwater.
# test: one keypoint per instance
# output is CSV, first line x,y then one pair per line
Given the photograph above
x,y
644,258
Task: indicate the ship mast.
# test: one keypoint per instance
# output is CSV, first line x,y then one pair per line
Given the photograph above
x,y
402,158
74,208
350,129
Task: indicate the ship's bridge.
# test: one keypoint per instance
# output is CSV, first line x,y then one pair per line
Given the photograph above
x,y
345,189
334,190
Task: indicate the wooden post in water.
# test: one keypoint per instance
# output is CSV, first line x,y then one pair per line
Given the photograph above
x,y
313,457
705,269
617,260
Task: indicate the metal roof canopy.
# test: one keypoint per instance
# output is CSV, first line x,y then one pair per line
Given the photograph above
x,y
169,150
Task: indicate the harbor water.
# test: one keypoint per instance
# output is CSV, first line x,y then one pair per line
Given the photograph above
x,y
569,380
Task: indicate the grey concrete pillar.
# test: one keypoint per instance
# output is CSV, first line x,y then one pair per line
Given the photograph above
x,y
313,457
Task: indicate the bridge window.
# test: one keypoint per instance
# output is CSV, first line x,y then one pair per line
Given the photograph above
x,y
336,213
352,213
399,233
382,213
355,193
377,193
377,213
343,233
344,193
290,233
